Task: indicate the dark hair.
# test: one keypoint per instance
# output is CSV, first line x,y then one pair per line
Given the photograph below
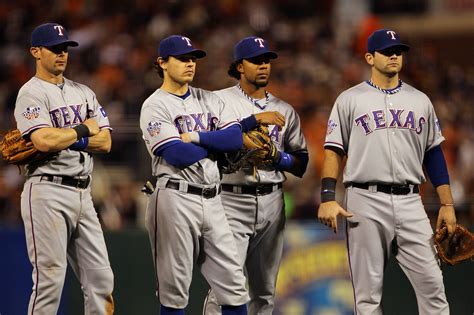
x,y
157,66
233,72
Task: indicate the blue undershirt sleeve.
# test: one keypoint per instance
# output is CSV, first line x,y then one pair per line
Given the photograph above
x,y
180,154
295,163
80,145
225,140
435,165
248,123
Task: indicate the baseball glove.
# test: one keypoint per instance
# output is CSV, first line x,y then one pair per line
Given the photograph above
x,y
16,150
258,151
261,151
455,248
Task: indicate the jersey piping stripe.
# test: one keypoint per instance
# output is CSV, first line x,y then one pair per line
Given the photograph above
x,y
34,248
253,100
164,141
350,267
334,144
105,126
34,127
386,91
156,245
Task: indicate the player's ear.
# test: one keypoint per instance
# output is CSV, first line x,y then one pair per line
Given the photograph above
x,y
369,58
240,67
161,62
35,52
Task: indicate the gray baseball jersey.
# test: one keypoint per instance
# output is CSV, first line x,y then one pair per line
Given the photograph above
x,y
42,104
385,134
165,116
257,221
60,221
289,139
183,226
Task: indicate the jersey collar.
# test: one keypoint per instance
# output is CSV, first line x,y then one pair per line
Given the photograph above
x,y
184,96
253,100
386,91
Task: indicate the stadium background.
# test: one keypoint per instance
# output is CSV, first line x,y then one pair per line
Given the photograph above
x,y
321,46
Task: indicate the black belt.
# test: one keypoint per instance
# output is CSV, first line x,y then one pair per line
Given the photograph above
x,y
258,190
68,181
389,189
195,190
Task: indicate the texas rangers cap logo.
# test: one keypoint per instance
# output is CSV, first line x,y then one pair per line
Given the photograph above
x,y
51,34
177,45
252,46
383,39
153,128
32,112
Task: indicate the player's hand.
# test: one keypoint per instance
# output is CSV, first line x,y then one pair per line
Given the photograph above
x,y
446,215
186,137
328,212
270,118
91,123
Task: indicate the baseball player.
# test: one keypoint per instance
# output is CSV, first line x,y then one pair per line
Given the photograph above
x,y
254,203
388,130
183,128
64,118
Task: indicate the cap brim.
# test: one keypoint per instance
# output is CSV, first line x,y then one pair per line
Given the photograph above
x,y
198,53
402,46
60,42
195,52
270,54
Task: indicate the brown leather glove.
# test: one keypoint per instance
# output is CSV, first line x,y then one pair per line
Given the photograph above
x,y
16,150
261,151
455,248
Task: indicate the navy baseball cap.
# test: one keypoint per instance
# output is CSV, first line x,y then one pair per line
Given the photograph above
x,y
252,46
383,39
177,45
50,34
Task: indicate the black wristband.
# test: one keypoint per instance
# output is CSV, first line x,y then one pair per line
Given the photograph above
x,y
81,131
328,189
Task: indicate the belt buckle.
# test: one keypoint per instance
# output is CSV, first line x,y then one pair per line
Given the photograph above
x,y
400,190
79,184
208,192
260,190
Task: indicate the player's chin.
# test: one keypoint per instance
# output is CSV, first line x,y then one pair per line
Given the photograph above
x,y
187,80
188,76
58,70
262,82
60,65
394,68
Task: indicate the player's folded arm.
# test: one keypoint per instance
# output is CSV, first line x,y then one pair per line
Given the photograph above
x,y
249,123
100,143
223,140
180,154
51,139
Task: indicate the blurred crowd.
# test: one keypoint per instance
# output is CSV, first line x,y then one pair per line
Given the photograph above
x,y
318,59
